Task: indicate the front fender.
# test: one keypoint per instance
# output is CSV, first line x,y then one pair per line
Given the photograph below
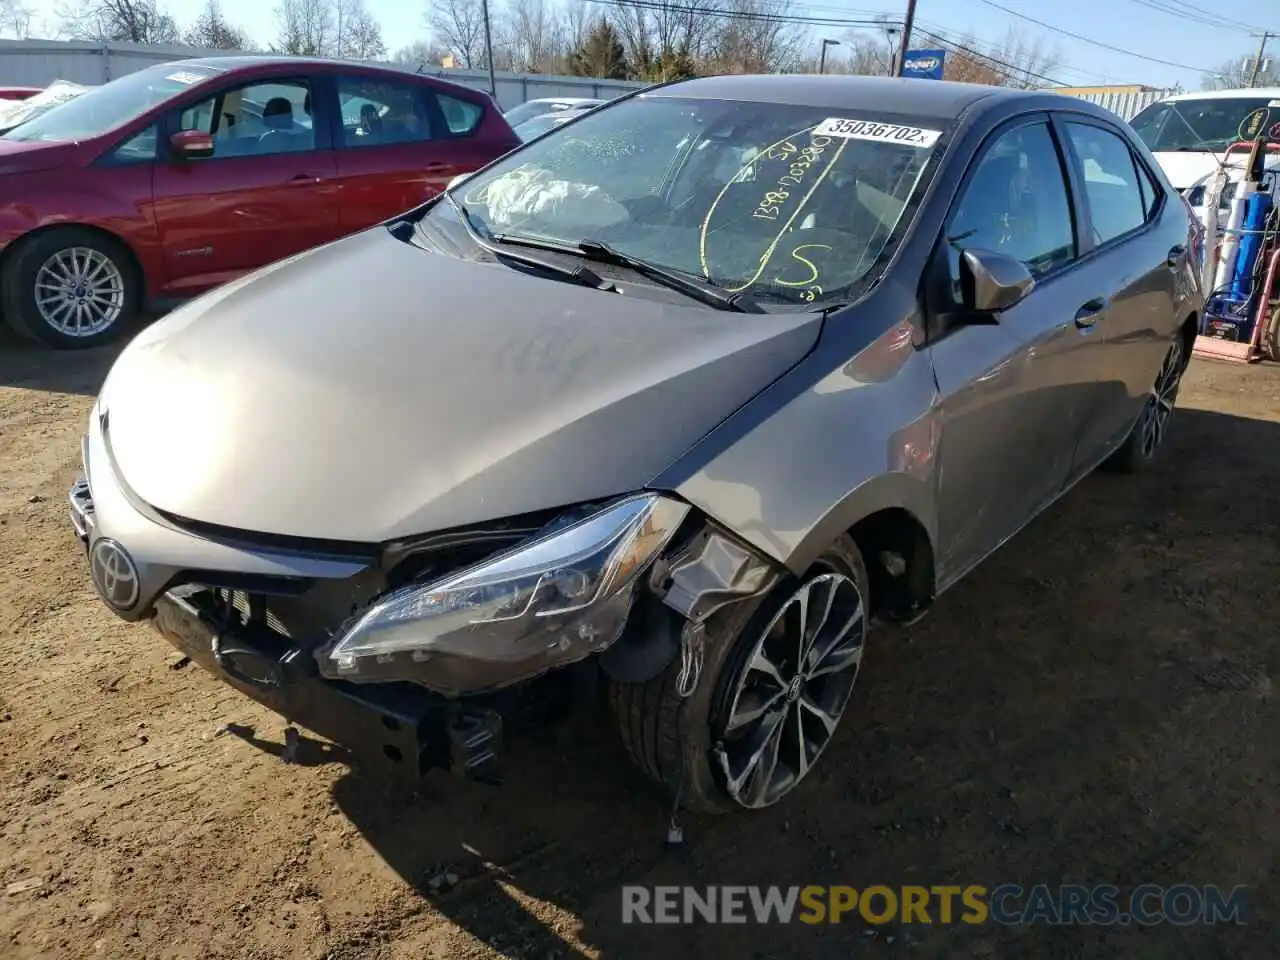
x,y
831,443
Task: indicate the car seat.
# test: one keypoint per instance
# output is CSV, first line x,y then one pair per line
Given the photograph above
x,y
370,121
277,117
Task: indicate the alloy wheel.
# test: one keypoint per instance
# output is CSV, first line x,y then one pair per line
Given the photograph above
x,y
1159,408
79,291
791,691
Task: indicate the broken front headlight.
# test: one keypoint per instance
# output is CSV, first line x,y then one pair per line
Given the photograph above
x,y
547,603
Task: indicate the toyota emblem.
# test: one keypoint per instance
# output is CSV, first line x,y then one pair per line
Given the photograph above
x,y
795,688
114,574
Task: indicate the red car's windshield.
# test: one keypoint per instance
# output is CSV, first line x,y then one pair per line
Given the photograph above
x,y
104,108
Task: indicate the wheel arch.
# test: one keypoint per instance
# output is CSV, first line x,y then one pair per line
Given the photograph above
x,y
1189,330
892,520
135,262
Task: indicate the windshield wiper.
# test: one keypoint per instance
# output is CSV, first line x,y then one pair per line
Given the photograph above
x,y
579,274
700,290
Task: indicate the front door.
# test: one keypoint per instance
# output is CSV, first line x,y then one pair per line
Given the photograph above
x,y
395,151
1011,391
267,192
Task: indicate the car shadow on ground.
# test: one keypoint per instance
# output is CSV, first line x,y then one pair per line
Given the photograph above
x,y
1090,706
28,366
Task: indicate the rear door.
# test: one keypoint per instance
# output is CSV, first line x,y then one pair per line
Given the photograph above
x,y
396,147
1011,391
1134,263
266,193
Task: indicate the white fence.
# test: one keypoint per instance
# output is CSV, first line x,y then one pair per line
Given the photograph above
x,y
1126,104
37,63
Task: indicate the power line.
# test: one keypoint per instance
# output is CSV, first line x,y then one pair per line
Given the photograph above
x,y
1181,8
1017,73
1193,15
1091,40
665,7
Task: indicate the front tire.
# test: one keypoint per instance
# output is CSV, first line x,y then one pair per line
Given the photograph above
x,y
71,288
777,677
1139,449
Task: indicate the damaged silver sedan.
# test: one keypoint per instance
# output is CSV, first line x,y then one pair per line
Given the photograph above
x,y
662,409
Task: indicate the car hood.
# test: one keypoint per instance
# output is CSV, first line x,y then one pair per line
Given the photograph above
x,y
28,156
371,389
1186,168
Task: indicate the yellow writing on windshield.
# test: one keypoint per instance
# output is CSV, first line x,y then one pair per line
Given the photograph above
x,y
785,197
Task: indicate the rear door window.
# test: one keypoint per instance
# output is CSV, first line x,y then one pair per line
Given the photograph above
x,y
377,112
462,117
1116,201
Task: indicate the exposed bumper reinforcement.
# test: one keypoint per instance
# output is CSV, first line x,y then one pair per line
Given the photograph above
x,y
397,728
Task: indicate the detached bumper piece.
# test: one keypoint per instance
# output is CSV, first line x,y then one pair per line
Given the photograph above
x,y
81,504
396,727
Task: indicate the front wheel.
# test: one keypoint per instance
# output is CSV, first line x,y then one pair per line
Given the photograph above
x,y
1144,440
71,288
777,678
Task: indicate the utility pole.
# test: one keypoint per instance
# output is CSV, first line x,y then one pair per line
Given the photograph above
x,y
907,24
822,60
488,51
1257,63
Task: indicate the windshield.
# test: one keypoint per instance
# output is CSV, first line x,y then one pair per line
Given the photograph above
x,y
104,108
1209,124
789,203
534,108
538,126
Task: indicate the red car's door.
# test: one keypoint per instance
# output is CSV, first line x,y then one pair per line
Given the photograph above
x,y
395,147
267,192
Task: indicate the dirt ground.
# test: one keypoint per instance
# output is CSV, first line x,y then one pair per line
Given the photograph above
x,y
1096,704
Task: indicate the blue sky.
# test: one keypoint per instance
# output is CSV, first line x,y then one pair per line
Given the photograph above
x,y
1138,26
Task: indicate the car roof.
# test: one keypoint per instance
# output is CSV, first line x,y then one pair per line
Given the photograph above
x,y
565,100
1240,93
250,61
933,98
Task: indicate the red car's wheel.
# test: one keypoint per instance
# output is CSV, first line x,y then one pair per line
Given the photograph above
x,y
71,288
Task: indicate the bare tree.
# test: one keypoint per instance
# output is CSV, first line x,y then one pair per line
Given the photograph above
x,y
306,28
674,31
15,18
1235,74
1024,60
135,21
357,35
535,35
459,26
423,55
870,53
578,24
756,40
213,31
965,67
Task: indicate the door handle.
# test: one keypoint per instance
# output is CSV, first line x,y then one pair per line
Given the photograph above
x,y
1175,254
1088,314
302,179
434,165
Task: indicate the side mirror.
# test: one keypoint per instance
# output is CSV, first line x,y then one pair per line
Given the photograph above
x,y
991,282
191,145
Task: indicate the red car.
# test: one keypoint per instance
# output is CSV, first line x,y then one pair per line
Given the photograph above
x,y
174,179
18,93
